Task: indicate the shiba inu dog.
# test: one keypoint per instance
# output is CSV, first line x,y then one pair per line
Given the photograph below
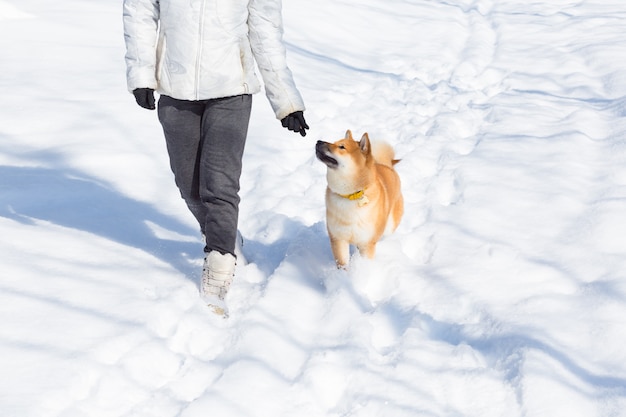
x,y
363,197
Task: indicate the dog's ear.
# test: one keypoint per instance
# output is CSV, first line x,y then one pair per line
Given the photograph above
x,y
364,144
349,134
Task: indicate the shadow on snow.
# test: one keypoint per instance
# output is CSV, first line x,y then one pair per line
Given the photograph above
x,y
75,201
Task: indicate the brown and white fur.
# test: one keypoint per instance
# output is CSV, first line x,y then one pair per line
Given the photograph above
x,y
363,197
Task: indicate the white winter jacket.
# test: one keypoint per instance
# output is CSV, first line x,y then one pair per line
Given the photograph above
x,y
203,49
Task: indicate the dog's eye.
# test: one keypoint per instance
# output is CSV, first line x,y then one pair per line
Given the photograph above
x,y
342,147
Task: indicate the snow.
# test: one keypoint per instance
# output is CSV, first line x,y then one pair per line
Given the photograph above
x,y
502,293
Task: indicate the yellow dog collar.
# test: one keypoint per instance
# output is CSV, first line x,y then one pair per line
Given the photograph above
x,y
354,196
358,196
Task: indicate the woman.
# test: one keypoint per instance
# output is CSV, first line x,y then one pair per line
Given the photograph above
x,y
200,56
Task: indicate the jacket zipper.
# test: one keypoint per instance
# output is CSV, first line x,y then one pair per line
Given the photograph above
x,y
200,43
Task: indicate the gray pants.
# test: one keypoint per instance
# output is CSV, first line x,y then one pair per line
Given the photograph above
x,y
205,142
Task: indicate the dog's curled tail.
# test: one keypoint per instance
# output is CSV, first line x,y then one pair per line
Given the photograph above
x,y
384,154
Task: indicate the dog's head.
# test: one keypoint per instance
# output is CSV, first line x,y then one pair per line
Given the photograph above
x,y
349,163
345,154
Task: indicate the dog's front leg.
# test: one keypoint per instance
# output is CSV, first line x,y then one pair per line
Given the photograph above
x,y
368,250
341,252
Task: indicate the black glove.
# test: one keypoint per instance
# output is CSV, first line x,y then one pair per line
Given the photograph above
x,y
295,122
144,97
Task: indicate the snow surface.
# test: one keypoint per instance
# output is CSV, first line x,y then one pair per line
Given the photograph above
x,y
502,293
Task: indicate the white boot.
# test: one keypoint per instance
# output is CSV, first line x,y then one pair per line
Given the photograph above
x,y
217,275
